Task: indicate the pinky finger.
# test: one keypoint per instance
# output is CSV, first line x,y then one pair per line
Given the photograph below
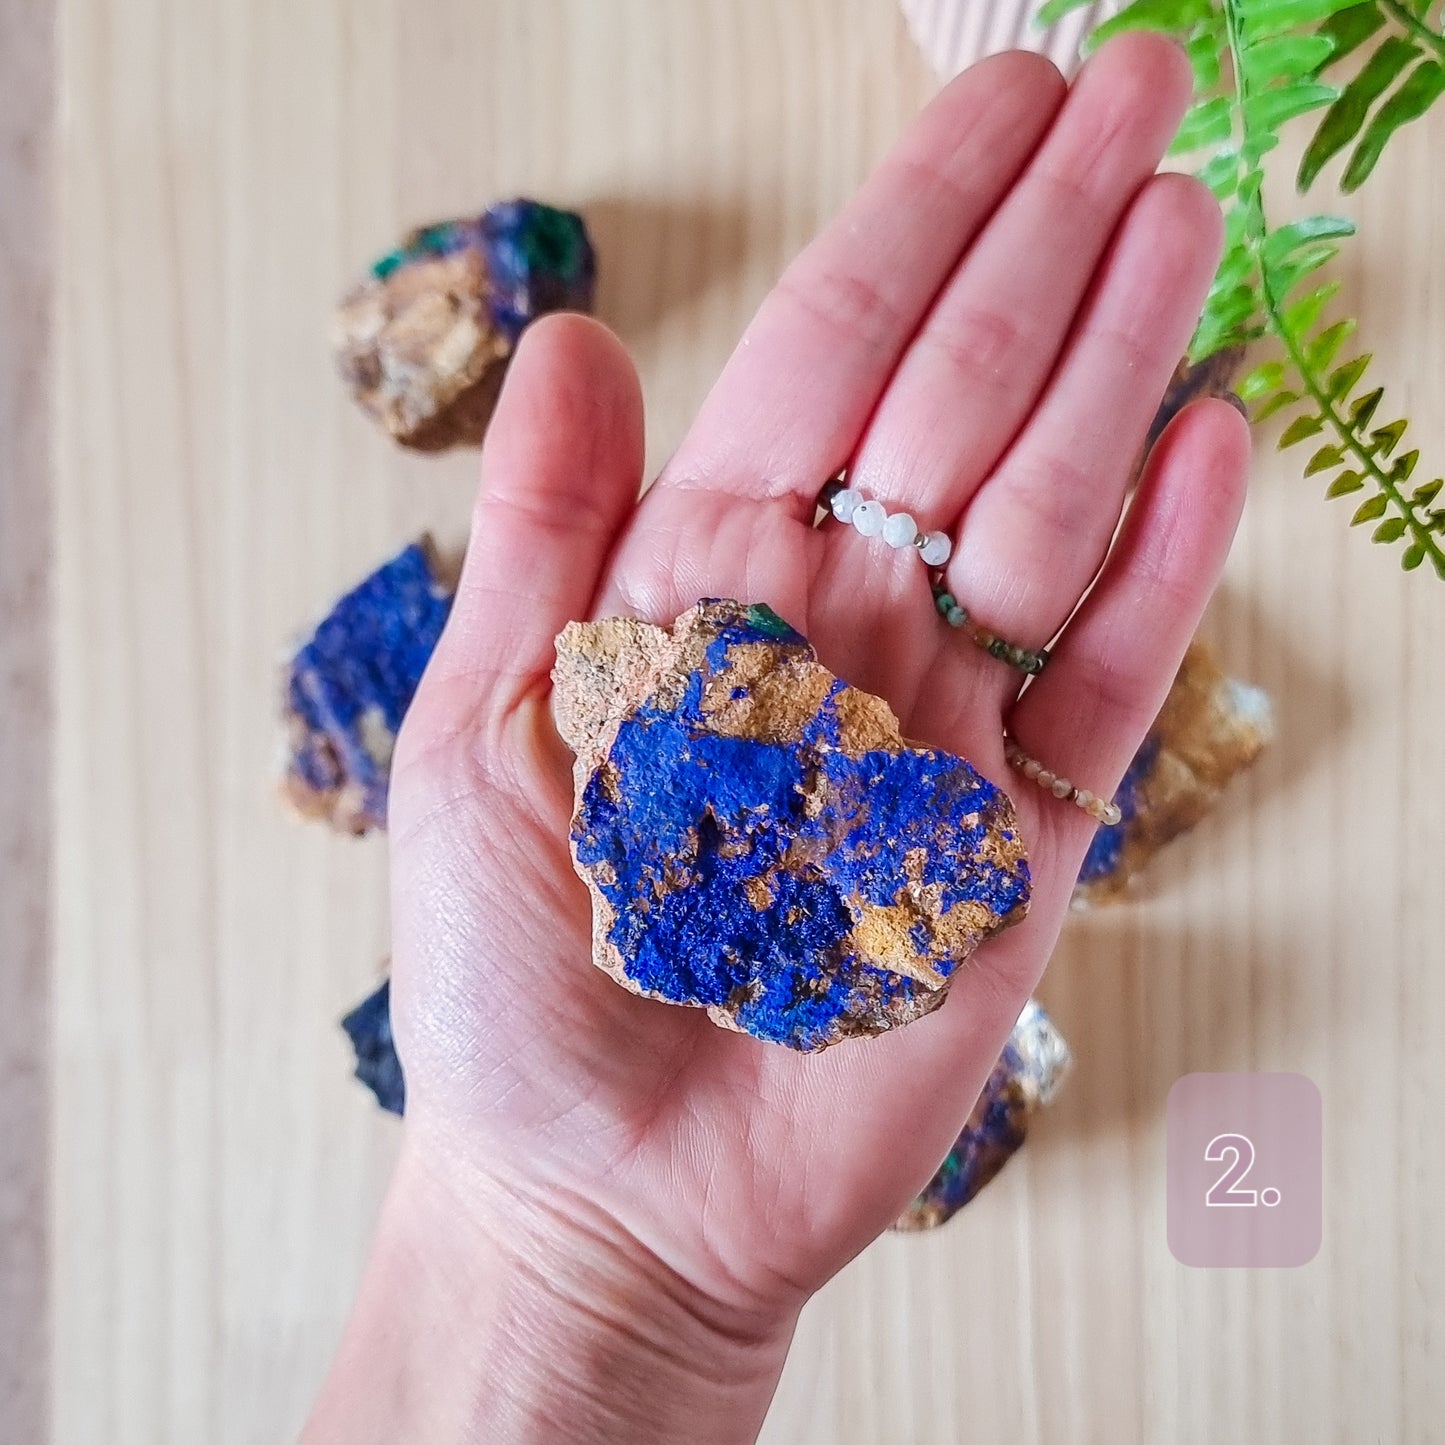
x,y
1087,714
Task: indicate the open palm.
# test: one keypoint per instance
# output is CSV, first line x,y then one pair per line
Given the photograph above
x,y
981,339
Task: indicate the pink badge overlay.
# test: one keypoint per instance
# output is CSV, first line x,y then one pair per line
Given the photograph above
x,y
1245,1170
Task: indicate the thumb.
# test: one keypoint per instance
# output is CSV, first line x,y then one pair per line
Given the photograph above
x,y
561,470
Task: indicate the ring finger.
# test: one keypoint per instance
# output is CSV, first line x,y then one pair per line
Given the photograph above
x,y
1035,534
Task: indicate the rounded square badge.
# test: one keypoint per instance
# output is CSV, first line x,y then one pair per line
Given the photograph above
x,y
1245,1170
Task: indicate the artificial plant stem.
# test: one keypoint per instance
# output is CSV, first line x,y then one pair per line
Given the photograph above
x,y
1249,196
1419,531
1403,16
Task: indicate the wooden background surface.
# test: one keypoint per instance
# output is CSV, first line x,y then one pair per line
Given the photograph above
x,y
26,294
222,169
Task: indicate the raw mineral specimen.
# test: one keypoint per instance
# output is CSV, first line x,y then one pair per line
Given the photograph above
x,y
1193,381
421,340
1210,728
368,1026
1026,1077
758,839
349,685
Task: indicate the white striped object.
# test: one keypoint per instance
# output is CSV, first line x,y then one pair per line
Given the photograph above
x,y
954,33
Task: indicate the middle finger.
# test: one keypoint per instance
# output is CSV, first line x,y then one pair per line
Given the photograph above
x,y
981,360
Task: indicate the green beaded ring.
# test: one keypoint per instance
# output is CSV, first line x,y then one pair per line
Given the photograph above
x,y
1025,659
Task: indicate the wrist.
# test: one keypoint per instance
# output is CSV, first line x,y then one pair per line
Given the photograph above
x,y
488,1312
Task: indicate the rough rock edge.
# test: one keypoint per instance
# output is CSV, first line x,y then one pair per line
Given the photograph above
x,y
1211,728
604,671
342,808
1030,1071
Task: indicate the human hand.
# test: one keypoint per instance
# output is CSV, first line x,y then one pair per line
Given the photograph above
x,y
626,1206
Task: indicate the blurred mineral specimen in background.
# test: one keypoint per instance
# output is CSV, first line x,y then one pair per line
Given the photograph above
x,y
1210,728
368,1026
1026,1077
348,686
421,341
1193,381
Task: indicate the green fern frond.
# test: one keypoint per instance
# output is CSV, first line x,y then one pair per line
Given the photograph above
x,y
1245,89
1332,410
1308,380
1399,82
1259,64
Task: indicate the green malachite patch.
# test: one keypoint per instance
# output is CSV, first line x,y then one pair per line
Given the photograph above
x,y
552,242
761,616
388,263
434,238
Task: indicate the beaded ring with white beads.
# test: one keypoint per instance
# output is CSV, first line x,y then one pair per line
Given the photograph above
x,y
872,519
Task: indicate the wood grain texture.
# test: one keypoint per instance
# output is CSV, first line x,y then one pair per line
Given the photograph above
x,y
27,72
224,170
952,34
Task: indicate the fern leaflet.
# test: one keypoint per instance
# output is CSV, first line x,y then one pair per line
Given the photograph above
x,y
1398,83
1254,71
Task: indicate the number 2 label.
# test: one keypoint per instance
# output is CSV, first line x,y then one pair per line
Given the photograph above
x,y
1238,1151
1244,1181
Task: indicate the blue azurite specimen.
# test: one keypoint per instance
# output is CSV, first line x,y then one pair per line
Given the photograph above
x,y
368,1026
538,259
535,259
1026,1077
758,839
350,683
1210,728
422,338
